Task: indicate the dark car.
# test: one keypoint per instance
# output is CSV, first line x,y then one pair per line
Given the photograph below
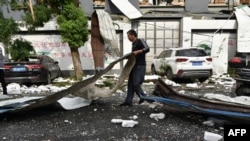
x,y
240,61
242,65
36,69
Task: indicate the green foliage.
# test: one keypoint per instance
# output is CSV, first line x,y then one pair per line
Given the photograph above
x,y
232,72
20,49
17,5
8,28
206,48
63,84
73,26
163,66
108,84
42,15
55,6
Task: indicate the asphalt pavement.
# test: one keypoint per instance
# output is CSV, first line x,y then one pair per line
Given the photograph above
x,y
93,123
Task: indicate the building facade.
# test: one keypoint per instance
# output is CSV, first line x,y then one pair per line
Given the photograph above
x,y
160,25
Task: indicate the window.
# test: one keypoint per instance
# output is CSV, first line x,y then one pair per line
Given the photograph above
x,y
191,52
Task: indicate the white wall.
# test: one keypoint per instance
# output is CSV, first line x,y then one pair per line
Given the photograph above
x,y
189,24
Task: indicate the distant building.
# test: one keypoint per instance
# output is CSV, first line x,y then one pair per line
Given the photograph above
x,y
160,25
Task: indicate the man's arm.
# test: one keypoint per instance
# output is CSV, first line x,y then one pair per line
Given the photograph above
x,y
144,50
146,47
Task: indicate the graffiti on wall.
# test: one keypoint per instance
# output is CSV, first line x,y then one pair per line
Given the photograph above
x,y
53,46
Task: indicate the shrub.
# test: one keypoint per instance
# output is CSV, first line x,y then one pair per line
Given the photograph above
x,y
20,50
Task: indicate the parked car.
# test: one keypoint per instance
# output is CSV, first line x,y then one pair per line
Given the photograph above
x,y
241,60
241,64
36,69
183,63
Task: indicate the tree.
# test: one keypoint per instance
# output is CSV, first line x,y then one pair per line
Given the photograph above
x,y
73,26
8,28
41,14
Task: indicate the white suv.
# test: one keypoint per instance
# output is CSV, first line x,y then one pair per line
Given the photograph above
x,y
192,62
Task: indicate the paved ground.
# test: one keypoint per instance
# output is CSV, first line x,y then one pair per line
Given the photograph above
x,y
93,123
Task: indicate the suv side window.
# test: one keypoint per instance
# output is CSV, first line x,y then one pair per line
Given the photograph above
x,y
168,53
163,54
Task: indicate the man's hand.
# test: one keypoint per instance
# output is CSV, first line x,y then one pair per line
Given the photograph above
x,y
137,52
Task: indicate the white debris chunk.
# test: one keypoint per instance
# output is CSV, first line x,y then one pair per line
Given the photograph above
x,y
157,116
209,136
116,120
135,117
209,123
181,92
172,83
152,106
192,85
129,123
43,88
125,123
14,88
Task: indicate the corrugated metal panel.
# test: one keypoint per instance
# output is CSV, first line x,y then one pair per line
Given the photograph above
x,y
107,29
102,34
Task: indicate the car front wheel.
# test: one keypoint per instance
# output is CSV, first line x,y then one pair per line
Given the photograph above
x,y
169,74
49,78
153,71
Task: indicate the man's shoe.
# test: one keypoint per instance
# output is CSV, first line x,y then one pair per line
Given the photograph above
x,y
126,104
141,101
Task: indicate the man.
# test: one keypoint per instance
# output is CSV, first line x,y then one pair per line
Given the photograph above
x,y
136,76
2,72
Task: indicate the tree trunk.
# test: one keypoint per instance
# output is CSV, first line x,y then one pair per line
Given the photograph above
x,y
76,3
31,9
97,42
77,63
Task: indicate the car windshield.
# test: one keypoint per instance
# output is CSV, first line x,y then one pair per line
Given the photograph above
x,y
191,52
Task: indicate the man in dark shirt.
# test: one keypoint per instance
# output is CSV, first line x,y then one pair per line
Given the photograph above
x,y
2,72
136,76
